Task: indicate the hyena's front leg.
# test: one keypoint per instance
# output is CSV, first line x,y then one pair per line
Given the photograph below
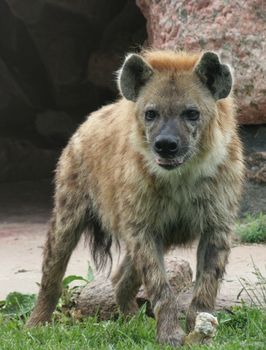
x,y
127,281
212,257
148,257
63,236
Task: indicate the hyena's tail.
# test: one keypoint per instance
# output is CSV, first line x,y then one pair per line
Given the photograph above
x,y
100,242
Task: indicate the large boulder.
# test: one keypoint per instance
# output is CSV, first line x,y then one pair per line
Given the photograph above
x,y
235,29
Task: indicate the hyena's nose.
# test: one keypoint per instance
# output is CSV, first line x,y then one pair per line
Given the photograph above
x,y
166,145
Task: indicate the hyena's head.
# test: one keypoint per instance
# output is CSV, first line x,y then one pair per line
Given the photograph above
x,y
175,97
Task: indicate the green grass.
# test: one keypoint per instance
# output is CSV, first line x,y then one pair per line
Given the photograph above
x,y
252,229
255,292
246,327
242,327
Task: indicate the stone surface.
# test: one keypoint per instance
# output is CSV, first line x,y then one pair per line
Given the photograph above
x,y
235,29
256,167
27,10
254,198
63,41
55,125
21,58
55,56
101,69
254,194
12,99
23,158
253,138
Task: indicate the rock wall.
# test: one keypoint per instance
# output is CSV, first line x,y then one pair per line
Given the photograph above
x,y
254,196
237,31
57,59
234,29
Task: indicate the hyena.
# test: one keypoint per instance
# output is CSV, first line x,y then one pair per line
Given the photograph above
x,y
160,167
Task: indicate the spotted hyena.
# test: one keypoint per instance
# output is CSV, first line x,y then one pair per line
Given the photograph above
x,y
160,167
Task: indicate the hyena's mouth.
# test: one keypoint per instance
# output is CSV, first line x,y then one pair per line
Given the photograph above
x,y
169,164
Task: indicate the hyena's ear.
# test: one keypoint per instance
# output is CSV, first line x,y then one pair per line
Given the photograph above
x,y
216,76
133,75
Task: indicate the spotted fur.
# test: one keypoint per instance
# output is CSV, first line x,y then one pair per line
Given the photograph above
x,y
108,183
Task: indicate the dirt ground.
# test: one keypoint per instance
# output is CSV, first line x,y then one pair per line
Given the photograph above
x,y
24,215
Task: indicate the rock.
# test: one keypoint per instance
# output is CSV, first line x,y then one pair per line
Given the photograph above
x,y
98,11
30,10
10,91
98,296
55,125
21,160
253,138
124,30
24,87
253,199
256,167
121,34
15,105
45,49
27,10
254,194
63,41
235,29
57,36
101,69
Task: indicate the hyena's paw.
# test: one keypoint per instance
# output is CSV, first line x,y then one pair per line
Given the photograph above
x,y
35,321
173,337
38,319
169,330
191,318
129,309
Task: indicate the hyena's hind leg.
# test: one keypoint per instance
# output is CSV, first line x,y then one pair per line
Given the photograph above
x,y
127,282
63,236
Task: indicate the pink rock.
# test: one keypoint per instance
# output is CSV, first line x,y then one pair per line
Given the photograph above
x,y
234,29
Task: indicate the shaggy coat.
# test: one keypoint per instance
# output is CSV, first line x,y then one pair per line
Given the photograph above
x,y
109,185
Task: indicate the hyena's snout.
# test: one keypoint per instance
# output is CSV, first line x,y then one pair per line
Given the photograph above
x,y
167,149
166,146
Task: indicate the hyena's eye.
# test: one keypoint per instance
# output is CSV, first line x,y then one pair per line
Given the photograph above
x,y
191,114
151,114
